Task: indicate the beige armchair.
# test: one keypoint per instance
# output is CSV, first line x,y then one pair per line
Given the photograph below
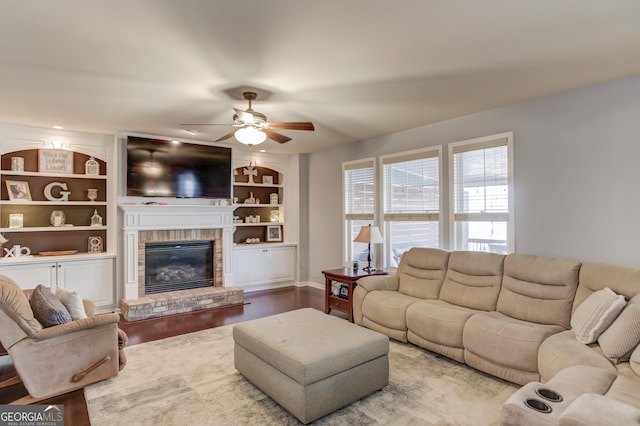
x,y
58,359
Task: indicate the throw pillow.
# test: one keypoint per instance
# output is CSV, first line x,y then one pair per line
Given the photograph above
x,y
72,301
619,340
595,315
634,361
46,308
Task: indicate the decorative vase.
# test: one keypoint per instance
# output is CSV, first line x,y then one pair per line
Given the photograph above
x,y
92,194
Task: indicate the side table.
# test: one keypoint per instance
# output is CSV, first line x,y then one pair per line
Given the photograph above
x,y
348,276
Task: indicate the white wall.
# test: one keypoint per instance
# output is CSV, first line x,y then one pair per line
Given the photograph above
x,y
576,167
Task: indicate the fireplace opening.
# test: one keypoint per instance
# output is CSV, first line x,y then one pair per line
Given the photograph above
x,y
178,265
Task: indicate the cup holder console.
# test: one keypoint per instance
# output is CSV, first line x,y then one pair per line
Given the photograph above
x,y
537,405
549,395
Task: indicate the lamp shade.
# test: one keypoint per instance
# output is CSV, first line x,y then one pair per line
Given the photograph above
x,y
370,235
249,135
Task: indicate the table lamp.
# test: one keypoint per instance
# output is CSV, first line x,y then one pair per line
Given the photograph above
x,y
370,235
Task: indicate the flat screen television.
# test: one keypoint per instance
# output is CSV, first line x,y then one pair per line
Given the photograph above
x,y
162,168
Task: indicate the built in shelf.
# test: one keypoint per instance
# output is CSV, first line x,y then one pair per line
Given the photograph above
x,y
54,228
259,185
258,224
54,175
53,203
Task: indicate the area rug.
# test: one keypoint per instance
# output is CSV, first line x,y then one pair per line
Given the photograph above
x,y
190,380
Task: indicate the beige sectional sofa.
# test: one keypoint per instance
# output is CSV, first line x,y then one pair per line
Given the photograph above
x,y
514,317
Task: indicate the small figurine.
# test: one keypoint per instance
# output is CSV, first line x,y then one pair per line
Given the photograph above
x,y
96,219
250,200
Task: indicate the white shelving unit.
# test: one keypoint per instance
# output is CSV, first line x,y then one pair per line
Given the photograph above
x,y
91,274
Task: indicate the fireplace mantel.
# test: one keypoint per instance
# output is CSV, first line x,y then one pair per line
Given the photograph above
x,y
136,217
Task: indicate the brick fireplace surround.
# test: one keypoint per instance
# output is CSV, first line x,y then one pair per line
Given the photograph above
x,y
154,223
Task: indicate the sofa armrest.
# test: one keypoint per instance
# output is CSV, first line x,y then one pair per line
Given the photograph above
x,y
89,307
595,409
77,325
366,285
379,282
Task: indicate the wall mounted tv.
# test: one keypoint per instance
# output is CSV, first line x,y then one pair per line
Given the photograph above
x,y
162,168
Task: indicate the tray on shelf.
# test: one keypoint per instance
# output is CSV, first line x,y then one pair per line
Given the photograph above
x,y
58,253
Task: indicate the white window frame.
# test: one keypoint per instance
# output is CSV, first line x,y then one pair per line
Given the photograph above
x,y
471,145
348,217
416,154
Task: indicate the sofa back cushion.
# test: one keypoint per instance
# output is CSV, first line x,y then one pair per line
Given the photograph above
x,y
596,276
473,280
17,320
421,272
538,289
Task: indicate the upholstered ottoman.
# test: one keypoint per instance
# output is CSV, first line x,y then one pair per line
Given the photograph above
x,y
309,362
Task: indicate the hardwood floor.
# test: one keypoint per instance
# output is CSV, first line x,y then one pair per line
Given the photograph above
x,y
257,305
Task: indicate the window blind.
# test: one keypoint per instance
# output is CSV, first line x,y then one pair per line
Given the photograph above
x,y
359,190
481,183
411,184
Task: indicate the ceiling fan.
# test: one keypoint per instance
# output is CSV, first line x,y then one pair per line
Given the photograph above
x,y
252,127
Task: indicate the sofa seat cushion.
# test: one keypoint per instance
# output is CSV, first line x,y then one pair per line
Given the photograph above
x,y
506,342
634,361
578,379
562,350
438,321
387,308
625,387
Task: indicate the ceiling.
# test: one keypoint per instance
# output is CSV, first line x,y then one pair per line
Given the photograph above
x,y
356,68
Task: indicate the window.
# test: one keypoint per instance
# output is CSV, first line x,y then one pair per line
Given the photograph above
x,y
359,203
481,179
411,199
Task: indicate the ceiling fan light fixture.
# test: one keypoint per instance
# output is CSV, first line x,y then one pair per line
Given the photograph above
x,y
249,135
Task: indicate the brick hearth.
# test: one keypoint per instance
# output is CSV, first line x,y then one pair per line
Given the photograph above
x,y
177,302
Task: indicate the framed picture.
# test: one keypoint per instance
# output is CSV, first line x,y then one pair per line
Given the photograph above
x,y
18,190
55,161
344,291
274,233
267,180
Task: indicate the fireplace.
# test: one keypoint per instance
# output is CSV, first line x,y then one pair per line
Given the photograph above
x,y
178,265
181,225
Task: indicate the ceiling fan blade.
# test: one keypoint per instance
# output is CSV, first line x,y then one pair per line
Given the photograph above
x,y
227,136
298,125
276,136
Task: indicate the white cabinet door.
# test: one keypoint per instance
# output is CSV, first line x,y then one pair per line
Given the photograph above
x,y
91,279
247,267
278,264
262,265
29,275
